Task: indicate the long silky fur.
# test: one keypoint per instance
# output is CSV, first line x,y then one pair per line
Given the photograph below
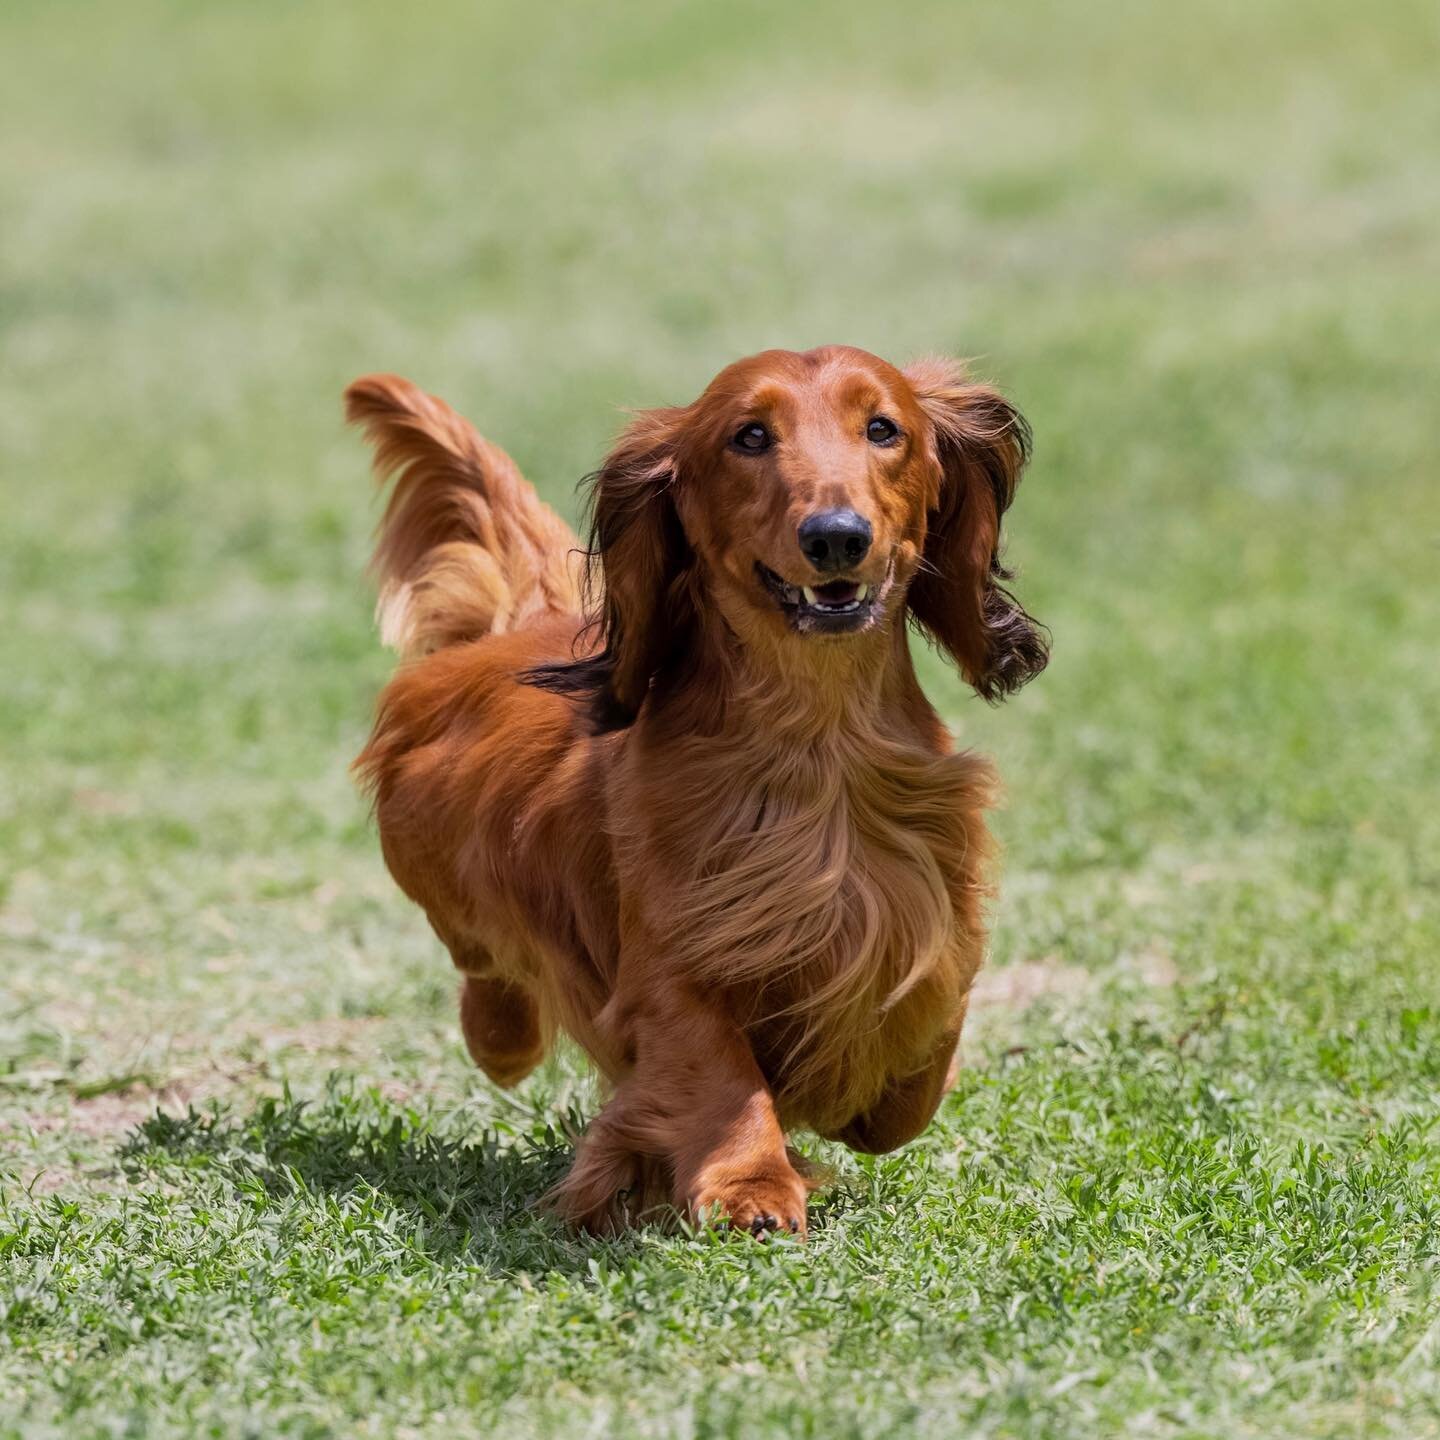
x,y
885,863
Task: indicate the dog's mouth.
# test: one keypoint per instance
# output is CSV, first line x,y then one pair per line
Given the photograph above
x,y
839,607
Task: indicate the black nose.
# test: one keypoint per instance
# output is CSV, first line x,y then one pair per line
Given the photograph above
x,y
835,539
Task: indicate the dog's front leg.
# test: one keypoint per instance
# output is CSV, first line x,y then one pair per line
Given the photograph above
x,y
696,1100
726,1144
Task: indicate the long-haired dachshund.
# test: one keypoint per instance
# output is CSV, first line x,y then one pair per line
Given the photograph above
x,y
680,795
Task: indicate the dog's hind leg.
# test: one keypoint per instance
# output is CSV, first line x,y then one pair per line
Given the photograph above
x,y
505,1029
614,1183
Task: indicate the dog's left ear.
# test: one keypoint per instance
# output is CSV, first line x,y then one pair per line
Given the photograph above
x,y
981,445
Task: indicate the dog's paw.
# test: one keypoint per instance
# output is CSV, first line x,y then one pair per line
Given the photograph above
x,y
758,1204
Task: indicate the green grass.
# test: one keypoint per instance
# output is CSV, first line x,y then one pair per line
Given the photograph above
x,y
248,1182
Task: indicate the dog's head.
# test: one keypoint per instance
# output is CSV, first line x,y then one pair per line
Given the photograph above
x,y
812,500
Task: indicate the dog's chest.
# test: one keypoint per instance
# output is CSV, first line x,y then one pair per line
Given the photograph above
x,y
832,904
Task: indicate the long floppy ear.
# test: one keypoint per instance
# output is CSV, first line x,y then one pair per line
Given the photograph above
x,y
637,560
982,443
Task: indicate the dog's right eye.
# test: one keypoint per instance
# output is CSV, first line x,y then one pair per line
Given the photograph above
x,y
751,438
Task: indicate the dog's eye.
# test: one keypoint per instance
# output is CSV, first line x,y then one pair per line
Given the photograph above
x,y
881,431
752,438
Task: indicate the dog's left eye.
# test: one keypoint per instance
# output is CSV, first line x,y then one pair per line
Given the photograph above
x,y
751,438
881,431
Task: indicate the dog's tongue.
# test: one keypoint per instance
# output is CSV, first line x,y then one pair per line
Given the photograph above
x,y
837,592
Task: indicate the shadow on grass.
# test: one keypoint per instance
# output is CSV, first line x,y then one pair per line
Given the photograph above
x,y
472,1199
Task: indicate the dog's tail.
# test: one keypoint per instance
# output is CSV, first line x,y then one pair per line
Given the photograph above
x,y
466,547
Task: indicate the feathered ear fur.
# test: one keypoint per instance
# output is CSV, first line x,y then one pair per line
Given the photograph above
x,y
638,556
982,443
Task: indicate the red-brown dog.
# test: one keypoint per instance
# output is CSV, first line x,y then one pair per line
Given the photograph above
x,y
709,826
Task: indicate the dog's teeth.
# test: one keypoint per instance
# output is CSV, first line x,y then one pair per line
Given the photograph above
x,y
809,595
862,592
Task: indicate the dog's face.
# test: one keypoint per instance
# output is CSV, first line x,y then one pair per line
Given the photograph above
x,y
822,496
807,479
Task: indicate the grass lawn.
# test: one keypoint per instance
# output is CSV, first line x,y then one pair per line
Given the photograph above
x,y
1189,1181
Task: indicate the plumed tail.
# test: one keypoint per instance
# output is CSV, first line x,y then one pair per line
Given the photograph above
x,y
466,547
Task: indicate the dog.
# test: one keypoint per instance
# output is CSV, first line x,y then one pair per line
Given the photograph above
x,y
679,794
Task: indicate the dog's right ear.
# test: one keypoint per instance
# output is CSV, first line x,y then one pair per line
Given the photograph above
x,y
637,557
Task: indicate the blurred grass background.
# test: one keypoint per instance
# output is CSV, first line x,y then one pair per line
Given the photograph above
x,y
1201,248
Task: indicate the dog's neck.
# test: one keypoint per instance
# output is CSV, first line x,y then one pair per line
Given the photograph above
x,y
800,689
